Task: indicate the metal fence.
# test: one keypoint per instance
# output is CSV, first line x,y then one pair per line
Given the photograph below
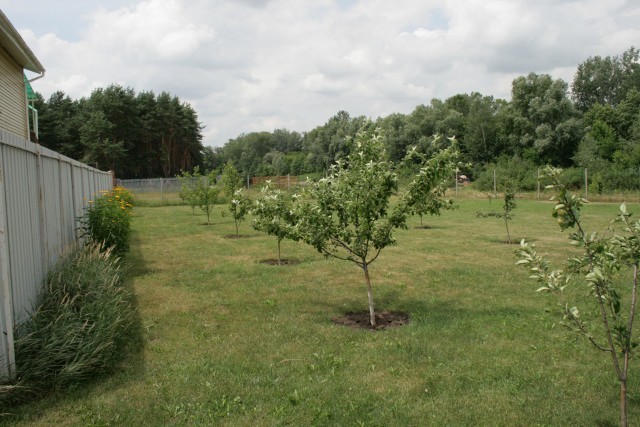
x,y
150,185
42,194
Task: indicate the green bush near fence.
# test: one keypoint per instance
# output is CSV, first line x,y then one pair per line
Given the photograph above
x,y
602,177
108,220
78,328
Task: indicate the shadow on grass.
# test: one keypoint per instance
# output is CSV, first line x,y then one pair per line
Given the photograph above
x,y
129,363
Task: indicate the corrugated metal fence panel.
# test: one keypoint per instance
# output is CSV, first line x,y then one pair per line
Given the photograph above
x,y
67,209
23,217
6,304
53,201
43,193
78,203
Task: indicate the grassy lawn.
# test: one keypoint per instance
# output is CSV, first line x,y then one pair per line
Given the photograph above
x,y
226,340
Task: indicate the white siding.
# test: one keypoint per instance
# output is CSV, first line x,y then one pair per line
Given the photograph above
x,y
42,193
13,97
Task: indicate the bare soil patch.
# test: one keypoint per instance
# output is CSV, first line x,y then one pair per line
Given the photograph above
x,y
283,261
384,319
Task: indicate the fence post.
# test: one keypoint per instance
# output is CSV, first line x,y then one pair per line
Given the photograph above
x,y
456,178
161,192
586,184
495,192
6,368
44,238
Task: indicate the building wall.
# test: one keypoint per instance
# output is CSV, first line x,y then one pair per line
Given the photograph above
x,y
13,98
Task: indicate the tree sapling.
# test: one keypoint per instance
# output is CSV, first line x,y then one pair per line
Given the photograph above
x,y
597,268
348,214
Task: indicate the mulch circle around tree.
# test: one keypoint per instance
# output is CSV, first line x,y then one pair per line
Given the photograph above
x,y
236,236
384,319
513,242
423,227
283,261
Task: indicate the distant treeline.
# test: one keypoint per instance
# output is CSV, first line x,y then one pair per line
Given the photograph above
x,y
593,123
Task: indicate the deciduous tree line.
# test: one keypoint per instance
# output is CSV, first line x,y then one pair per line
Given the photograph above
x,y
593,123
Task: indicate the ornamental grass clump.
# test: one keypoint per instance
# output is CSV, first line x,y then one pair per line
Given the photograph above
x,y
77,330
108,220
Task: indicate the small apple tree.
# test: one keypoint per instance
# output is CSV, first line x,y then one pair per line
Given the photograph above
x,y
274,214
206,192
598,269
427,200
507,207
187,187
231,180
239,206
348,214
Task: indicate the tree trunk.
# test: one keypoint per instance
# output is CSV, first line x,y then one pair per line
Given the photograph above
x,y
278,251
372,313
420,220
506,224
237,233
623,403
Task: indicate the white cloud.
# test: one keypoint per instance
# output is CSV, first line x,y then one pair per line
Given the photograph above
x,y
250,65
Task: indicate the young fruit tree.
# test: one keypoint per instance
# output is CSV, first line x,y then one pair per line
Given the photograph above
x,y
239,207
605,263
507,207
426,200
273,213
231,180
187,188
206,192
348,214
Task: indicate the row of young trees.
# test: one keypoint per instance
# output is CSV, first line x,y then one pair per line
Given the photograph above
x,y
347,214
137,135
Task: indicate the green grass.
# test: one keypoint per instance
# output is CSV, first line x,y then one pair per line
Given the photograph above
x,y
156,198
230,341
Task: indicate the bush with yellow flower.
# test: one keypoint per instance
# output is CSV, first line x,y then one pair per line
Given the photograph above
x,y
107,220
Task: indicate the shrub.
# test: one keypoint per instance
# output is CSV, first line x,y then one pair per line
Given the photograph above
x,y
77,330
522,173
108,218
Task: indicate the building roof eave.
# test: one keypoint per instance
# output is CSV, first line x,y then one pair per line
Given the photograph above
x,y
15,45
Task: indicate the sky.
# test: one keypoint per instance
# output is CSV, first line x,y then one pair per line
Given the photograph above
x,y
260,65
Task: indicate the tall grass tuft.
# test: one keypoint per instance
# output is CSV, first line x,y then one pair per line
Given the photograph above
x,y
77,331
